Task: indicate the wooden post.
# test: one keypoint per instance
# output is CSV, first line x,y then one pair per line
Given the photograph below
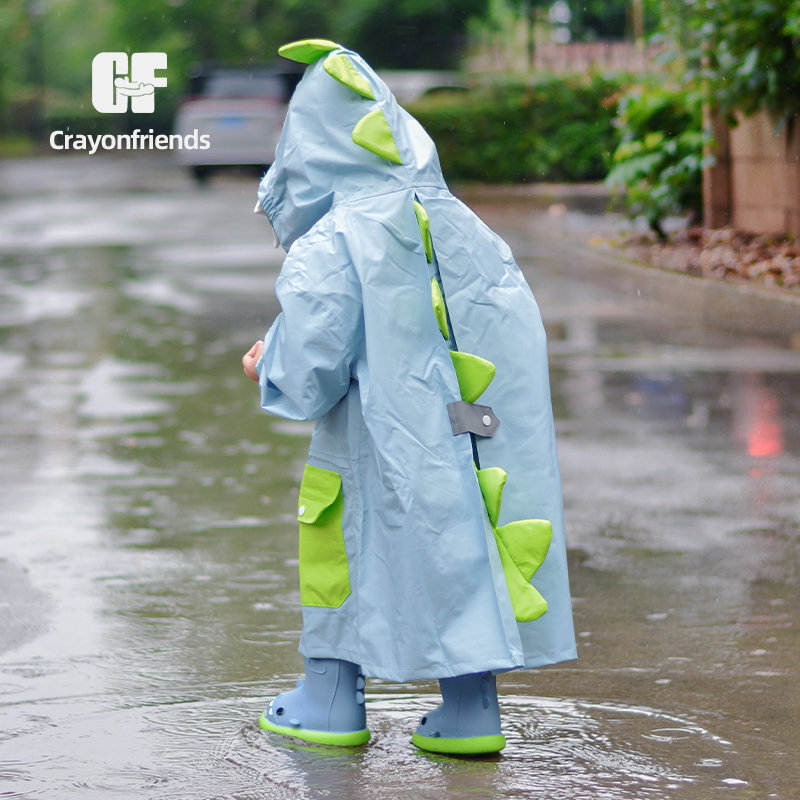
x,y
717,179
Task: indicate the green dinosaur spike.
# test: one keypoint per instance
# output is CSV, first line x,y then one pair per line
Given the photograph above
x,y
492,480
307,50
373,133
438,308
341,69
474,374
526,601
424,230
527,542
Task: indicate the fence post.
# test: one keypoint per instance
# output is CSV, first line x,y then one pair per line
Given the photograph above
x,y
717,179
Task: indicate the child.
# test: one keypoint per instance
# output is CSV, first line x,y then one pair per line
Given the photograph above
x,y
423,515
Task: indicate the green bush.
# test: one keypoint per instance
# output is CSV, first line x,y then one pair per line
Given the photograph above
x,y
659,161
555,129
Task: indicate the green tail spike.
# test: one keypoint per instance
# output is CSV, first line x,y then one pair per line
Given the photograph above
x,y
373,133
439,308
340,68
492,480
424,229
526,601
474,374
522,546
307,50
527,542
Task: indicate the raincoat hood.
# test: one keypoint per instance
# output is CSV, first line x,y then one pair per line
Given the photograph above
x,y
318,163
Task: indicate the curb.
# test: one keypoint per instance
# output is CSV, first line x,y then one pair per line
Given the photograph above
x,y
732,306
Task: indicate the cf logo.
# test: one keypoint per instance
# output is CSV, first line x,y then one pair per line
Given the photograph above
x,y
110,93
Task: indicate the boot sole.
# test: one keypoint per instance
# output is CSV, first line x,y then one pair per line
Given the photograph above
x,y
342,739
463,746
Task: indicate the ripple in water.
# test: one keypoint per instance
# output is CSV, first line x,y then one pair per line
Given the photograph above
x,y
186,744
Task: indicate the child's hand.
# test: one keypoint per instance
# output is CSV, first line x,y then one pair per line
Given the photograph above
x,y
250,358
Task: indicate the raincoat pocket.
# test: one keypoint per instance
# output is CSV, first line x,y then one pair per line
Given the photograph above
x,y
324,571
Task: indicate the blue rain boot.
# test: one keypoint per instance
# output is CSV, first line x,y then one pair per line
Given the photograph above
x,y
326,708
467,722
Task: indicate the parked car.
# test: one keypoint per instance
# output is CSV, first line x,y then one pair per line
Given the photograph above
x,y
241,111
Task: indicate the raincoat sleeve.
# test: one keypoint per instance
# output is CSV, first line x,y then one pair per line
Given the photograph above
x,y
305,368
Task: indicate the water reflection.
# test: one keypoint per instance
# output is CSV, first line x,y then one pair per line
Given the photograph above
x,y
756,417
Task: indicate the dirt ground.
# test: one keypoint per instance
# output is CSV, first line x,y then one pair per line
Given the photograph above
x,y
724,254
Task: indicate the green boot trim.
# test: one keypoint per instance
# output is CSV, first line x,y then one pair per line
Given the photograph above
x,y
464,746
349,739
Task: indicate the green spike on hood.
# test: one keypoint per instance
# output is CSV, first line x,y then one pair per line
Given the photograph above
x,y
373,133
341,68
307,50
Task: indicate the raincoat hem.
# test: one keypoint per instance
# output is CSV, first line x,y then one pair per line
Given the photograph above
x,y
547,659
433,672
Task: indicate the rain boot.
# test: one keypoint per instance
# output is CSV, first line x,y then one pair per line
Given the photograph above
x,y
468,720
326,708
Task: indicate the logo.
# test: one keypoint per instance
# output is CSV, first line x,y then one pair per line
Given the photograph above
x,y
110,92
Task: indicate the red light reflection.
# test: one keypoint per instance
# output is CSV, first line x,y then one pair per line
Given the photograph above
x,y
757,418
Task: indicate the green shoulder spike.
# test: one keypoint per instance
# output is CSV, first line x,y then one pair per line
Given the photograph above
x,y
341,68
474,374
307,50
424,229
373,133
439,308
492,480
527,542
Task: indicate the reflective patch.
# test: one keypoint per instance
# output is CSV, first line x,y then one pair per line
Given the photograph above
x,y
471,418
307,50
340,68
373,133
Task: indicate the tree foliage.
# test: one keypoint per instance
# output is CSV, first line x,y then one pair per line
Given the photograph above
x,y
747,52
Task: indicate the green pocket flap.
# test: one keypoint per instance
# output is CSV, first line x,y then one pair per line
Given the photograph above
x,y
318,491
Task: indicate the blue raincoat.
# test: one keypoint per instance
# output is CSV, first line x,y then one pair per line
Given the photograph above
x,y
413,564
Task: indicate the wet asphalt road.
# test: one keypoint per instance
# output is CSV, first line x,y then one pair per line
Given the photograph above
x,y
148,575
